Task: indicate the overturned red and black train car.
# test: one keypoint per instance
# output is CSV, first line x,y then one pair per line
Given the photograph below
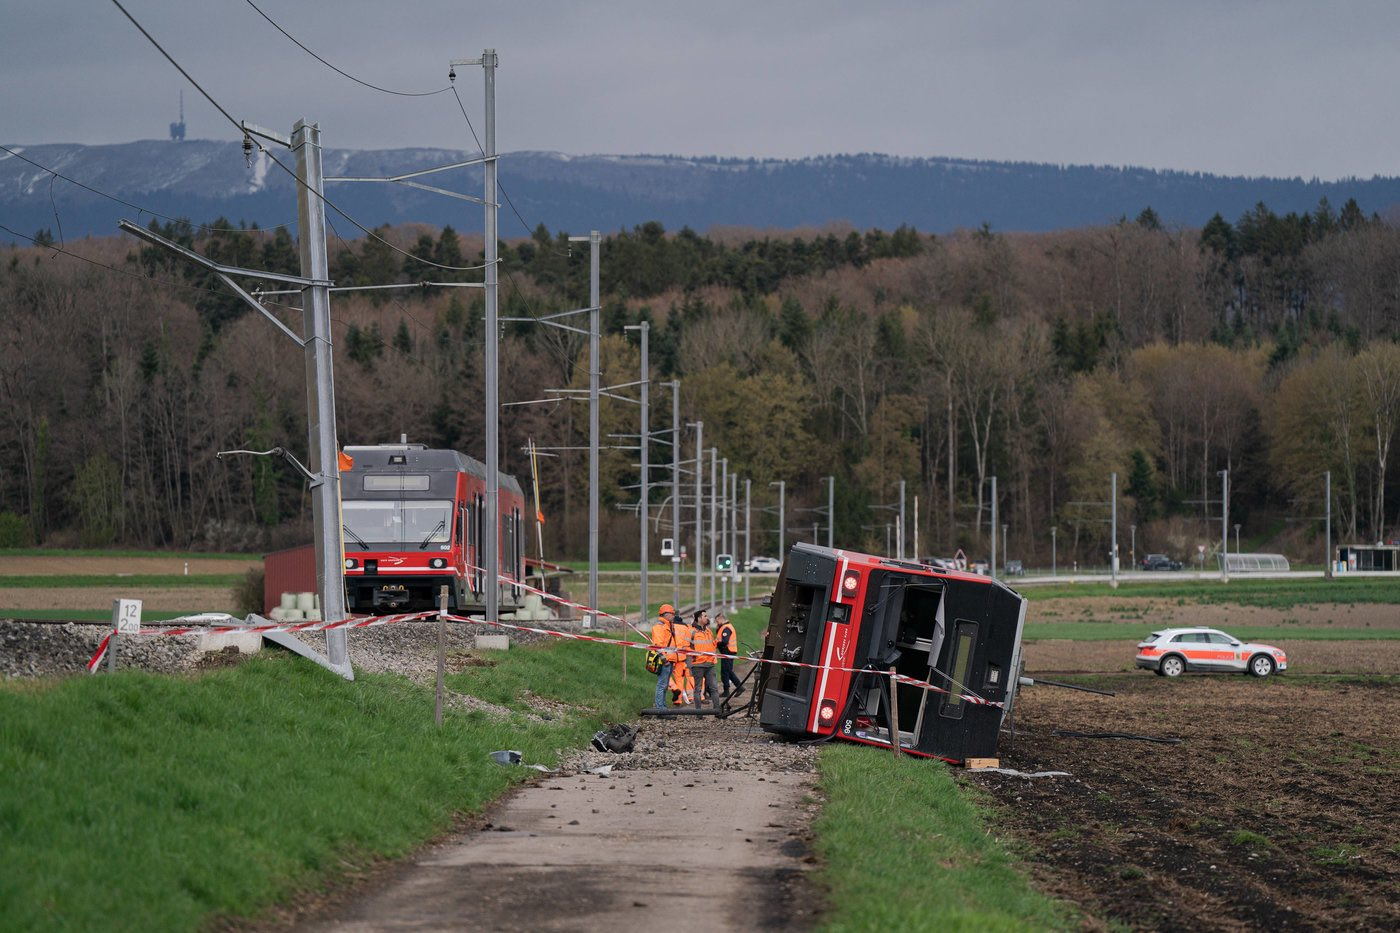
x,y
847,618
414,520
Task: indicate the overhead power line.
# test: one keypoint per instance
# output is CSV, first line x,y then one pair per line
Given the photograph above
x,y
339,71
249,143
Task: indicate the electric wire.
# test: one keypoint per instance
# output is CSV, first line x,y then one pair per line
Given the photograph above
x,y
214,103
505,194
275,161
338,71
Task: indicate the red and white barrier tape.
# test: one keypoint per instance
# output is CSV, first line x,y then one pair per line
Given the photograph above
x,y
352,622
101,653
564,602
372,621
691,652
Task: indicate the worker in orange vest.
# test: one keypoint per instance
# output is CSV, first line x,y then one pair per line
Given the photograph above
x,y
728,641
702,659
670,639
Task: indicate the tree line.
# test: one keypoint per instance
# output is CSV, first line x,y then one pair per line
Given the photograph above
x,y
1266,346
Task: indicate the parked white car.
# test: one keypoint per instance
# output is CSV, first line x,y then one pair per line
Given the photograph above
x,y
1174,651
764,565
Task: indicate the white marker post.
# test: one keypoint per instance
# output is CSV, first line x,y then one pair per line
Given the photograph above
x,y
126,620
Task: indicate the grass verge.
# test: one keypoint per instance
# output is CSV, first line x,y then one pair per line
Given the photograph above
x,y
904,849
151,802
1271,593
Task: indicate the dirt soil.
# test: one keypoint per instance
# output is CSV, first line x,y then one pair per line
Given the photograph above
x,y
1276,810
153,598
122,566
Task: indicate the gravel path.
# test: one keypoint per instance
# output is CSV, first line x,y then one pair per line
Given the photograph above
x,y
706,822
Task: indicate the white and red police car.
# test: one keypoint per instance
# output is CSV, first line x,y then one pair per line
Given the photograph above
x,y
1174,651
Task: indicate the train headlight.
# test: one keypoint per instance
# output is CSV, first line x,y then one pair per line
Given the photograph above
x,y
826,712
437,563
850,580
351,563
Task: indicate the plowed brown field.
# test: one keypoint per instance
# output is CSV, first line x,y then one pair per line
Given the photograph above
x,y
1275,811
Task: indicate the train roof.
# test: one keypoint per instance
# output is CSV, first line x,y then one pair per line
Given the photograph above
x,y
419,457
874,561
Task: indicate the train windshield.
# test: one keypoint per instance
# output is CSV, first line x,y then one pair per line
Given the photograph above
x,y
396,524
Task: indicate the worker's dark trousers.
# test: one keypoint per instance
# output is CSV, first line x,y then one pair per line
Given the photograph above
x,y
726,675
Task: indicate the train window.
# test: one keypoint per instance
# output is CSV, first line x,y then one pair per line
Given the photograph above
x,y
964,643
415,523
396,482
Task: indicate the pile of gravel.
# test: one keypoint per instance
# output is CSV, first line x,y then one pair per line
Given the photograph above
x,y
700,743
38,649
411,647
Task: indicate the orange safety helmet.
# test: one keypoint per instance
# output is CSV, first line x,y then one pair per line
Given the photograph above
x,y
665,608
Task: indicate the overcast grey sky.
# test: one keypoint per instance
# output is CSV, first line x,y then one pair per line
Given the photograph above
x,y
1227,86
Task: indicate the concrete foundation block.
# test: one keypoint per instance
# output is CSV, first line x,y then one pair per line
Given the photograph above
x,y
492,642
245,642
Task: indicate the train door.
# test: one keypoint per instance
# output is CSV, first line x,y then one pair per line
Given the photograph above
x,y
477,538
506,558
901,628
517,552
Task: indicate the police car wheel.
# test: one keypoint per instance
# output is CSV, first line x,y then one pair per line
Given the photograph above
x,y
1261,665
1172,666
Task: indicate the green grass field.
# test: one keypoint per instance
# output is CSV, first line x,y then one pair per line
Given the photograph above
x,y
1272,594
151,802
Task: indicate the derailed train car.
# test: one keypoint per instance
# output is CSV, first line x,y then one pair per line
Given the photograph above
x,y
846,618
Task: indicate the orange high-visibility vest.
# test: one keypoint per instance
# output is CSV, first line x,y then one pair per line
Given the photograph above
x,y
669,637
683,635
702,639
726,636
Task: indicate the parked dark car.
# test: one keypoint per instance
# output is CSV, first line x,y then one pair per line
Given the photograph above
x,y
1160,562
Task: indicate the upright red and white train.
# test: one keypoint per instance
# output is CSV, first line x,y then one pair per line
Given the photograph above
x,y
413,521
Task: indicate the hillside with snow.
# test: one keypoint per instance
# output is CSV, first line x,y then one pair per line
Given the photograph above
x,y
202,179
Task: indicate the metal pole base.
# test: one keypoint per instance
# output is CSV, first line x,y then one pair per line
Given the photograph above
x,y
292,643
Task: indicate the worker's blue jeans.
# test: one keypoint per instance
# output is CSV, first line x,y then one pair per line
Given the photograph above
x,y
663,685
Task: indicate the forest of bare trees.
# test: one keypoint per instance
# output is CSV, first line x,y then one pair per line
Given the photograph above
x,y
1266,346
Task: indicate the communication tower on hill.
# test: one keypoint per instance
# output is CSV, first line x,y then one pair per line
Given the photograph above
x,y
177,130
